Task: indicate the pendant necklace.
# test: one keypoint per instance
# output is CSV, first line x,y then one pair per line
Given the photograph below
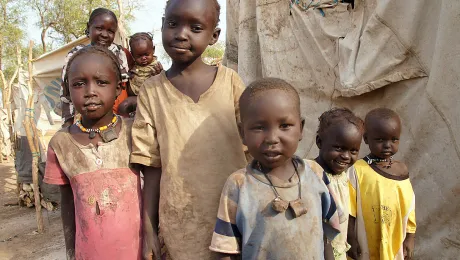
x,y
108,132
279,204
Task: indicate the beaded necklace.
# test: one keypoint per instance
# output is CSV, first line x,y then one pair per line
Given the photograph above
x,y
107,132
370,160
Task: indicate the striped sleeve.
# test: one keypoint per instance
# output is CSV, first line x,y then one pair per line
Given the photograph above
x,y
331,223
226,237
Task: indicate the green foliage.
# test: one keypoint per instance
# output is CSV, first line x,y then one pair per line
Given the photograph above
x,y
67,19
11,34
214,54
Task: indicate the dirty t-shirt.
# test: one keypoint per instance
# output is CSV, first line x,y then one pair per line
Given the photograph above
x,y
247,225
338,187
107,194
384,208
197,145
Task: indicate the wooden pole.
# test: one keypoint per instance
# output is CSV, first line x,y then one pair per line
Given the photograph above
x,y
121,23
31,138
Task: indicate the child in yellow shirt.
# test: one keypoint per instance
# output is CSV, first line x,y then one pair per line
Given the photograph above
x,y
382,201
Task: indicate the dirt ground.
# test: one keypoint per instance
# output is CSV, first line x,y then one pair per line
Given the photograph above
x,y
19,238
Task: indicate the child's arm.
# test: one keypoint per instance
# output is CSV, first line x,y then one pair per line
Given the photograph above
x,y
68,220
409,245
352,239
151,199
56,176
328,251
409,241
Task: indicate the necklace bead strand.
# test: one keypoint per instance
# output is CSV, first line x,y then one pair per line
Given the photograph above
x,y
92,131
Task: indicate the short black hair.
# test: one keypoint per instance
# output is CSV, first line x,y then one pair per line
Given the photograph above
x,y
95,13
140,36
338,116
214,2
96,50
379,114
264,85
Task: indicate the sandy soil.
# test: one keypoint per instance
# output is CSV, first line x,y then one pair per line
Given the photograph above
x,y
18,229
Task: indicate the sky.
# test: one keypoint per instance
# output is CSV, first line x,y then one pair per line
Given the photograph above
x,y
148,19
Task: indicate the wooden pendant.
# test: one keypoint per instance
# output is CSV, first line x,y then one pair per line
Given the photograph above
x,y
297,207
109,135
279,205
92,135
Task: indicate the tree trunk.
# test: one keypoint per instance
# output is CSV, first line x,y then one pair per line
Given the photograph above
x,y
43,36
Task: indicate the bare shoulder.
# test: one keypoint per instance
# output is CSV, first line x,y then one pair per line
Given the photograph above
x,y
400,168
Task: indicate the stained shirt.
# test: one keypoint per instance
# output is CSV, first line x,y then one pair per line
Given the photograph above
x,y
197,145
384,208
106,191
248,225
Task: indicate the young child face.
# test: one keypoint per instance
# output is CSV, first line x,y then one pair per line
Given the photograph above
x,y
188,28
142,51
272,128
382,136
93,85
339,146
102,30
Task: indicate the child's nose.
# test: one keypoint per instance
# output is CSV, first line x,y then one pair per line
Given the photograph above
x,y
386,144
90,90
345,155
181,33
271,137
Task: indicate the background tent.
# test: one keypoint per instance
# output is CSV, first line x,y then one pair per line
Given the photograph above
x,y
403,55
47,71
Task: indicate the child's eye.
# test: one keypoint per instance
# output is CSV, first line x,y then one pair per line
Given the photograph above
x,y
197,29
395,140
337,148
354,152
285,126
257,128
102,82
78,84
171,24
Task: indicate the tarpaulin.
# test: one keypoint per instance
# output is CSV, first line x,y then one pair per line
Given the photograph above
x,y
404,55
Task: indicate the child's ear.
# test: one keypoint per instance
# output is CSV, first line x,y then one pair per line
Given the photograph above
x,y
215,36
162,22
365,138
302,125
118,90
241,132
318,141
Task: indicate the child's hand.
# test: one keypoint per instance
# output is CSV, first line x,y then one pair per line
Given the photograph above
x,y
355,250
127,106
158,68
408,246
151,250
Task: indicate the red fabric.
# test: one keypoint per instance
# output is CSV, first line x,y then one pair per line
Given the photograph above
x,y
121,98
108,214
53,171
